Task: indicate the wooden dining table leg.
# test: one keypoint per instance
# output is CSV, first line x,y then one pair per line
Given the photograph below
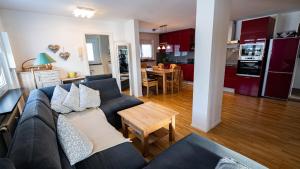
x,y
164,84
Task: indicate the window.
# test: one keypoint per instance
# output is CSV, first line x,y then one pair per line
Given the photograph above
x,y
3,84
90,51
146,52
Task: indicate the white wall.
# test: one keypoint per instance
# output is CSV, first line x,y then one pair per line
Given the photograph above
x,y
1,26
288,21
31,33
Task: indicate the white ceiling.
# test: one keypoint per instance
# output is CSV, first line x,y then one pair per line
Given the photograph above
x,y
177,14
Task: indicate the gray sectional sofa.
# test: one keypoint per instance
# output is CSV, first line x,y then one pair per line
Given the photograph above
x,y
35,144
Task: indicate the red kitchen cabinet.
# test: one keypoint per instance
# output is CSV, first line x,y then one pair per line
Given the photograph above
x,y
184,38
279,89
257,29
230,79
247,85
188,71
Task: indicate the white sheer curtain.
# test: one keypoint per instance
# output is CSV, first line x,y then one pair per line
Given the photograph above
x,y
8,67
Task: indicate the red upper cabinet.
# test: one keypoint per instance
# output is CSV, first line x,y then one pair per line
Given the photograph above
x,y
257,29
184,38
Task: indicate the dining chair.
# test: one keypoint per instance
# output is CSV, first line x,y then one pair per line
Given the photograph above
x,y
155,67
161,65
148,82
174,80
144,65
172,66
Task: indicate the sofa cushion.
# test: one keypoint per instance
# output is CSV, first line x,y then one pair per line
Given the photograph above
x,y
185,154
5,163
122,156
39,110
38,95
111,108
34,146
49,90
98,77
108,88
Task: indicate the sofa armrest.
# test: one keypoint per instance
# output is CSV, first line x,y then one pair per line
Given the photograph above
x,y
194,151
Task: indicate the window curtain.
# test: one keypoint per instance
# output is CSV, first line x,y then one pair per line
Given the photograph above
x,y
8,62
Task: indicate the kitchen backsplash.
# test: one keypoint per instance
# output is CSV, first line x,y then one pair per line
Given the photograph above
x,y
176,57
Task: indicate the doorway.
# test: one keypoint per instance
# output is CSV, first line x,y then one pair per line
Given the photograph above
x,y
98,53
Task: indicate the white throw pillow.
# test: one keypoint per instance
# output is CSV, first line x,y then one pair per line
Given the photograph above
x,y
57,100
75,144
72,100
89,98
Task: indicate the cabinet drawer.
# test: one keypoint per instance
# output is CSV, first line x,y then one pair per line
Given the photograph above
x,y
47,79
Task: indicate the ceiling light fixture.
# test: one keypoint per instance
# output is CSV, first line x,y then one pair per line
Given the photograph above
x,y
83,12
163,45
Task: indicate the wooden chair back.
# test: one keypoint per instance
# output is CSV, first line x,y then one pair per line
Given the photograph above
x,y
176,74
144,65
161,65
155,68
144,74
172,66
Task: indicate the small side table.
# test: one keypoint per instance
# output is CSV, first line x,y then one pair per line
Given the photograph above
x,y
11,107
72,80
147,122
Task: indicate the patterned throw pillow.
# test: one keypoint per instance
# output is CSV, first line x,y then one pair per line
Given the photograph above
x,y
58,98
89,98
72,100
75,144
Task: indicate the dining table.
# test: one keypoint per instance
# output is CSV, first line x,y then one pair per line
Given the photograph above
x,y
163,73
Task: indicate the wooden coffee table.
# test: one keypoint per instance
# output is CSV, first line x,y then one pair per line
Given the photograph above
x,y
147,122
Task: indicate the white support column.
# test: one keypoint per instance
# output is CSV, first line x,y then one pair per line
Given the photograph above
x,y
132,36
212,23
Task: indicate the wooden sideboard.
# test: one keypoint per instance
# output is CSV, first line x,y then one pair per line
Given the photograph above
x,y
43,78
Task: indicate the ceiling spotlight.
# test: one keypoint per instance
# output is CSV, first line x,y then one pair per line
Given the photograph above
x,y
83,12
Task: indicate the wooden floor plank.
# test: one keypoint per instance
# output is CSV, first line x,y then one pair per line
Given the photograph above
x,y
265,130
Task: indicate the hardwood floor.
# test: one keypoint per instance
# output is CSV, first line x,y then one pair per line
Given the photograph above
x,y
265,130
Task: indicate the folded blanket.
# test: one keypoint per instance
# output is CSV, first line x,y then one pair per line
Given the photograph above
x,y
93,123
229,163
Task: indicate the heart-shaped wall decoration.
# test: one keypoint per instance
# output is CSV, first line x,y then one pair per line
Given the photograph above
x,y
54,48
64,55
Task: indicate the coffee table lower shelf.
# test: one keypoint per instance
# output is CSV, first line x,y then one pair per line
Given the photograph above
x,y
153,137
